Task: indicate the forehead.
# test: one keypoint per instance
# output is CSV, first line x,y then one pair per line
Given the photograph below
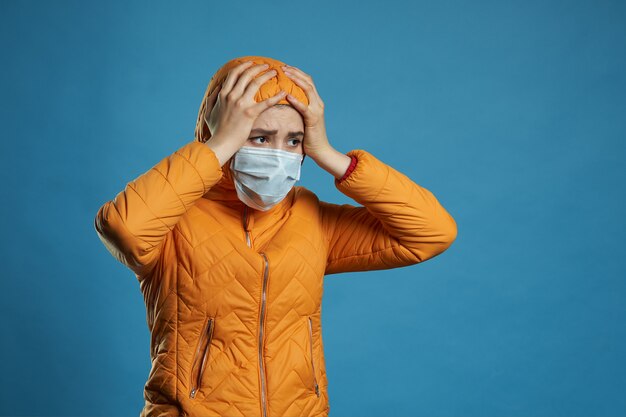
x,y
279,117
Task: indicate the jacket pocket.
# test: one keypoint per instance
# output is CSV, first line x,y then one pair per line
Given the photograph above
x,y
201,356
315,386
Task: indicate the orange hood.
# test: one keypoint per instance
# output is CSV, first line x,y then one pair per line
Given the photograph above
x,y
224,190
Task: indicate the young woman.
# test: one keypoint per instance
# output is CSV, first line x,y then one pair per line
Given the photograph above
x,y
231,256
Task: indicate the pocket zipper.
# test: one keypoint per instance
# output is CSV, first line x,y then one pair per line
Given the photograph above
x,y
197,375
317,389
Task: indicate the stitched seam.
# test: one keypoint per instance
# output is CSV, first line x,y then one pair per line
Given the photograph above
x,y
212,236
308,220
362,254
382,224
204,187
323,227
406,203
313,268
150,270
173,189
149,209
181,234
180,265
128,230
356,169
384,184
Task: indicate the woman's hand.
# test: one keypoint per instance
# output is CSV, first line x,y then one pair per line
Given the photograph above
x,y
231,109
315,142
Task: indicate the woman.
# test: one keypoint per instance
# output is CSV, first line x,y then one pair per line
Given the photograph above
x,y
231,256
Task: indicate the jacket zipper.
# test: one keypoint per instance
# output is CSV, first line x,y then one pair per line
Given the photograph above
x,y
317,388
263,297
262,319
197,376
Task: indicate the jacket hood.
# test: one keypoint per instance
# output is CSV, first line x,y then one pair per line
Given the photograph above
x,y
225,190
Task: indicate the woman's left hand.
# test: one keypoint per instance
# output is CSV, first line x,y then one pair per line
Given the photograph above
x,y
315,142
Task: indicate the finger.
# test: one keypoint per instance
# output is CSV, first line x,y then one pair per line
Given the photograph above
x,y
307,88
300,106
233,76
306,83
269,102
301,80
256,83
298,72
245,78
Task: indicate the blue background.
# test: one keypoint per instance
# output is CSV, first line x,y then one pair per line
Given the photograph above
x,y
511,113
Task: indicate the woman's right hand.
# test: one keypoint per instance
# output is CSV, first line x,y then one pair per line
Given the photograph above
x,y
232,110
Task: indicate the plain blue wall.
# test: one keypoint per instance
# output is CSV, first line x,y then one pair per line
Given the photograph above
x,y
511,113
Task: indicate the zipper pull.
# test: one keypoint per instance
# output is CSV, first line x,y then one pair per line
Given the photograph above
x,y
247,222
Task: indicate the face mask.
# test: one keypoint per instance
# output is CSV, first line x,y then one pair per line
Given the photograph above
x,y
264,176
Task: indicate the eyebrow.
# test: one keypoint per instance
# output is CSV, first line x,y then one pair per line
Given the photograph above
x,y
273,132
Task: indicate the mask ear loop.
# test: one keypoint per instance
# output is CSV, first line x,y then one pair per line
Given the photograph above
x,y
304,156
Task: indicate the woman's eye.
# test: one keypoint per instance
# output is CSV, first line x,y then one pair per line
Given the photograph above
x,y
296,140
258,137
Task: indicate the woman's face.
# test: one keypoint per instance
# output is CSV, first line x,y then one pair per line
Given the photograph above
x,y
278,127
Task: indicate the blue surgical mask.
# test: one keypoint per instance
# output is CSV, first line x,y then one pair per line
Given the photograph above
x,y
264,176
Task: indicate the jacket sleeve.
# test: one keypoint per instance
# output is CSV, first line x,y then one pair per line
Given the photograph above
x,y
134,225
398,222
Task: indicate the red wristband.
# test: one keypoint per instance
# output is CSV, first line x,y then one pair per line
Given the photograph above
x,y
350,168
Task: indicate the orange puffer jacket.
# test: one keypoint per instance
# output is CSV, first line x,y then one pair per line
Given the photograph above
x,y
233,295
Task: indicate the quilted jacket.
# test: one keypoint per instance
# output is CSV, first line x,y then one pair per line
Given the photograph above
x,y
233,295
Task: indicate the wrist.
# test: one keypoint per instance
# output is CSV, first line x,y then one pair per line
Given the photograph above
x,y
223,148
322,153
333,161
